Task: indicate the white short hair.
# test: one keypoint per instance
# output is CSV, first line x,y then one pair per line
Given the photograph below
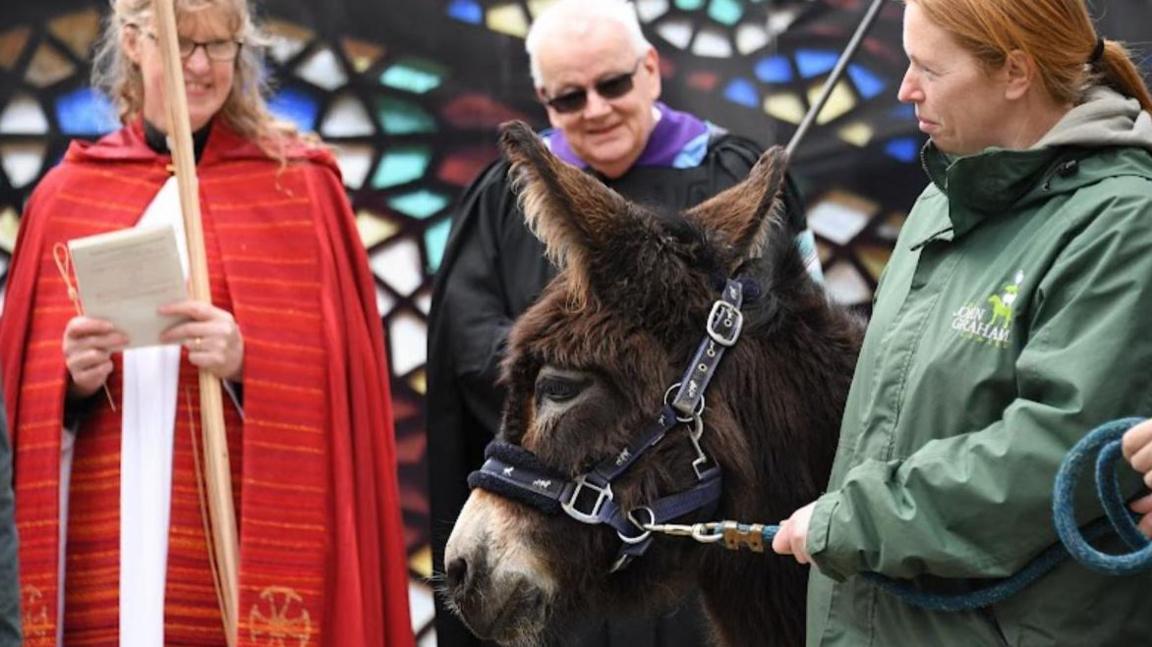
x,y
564,13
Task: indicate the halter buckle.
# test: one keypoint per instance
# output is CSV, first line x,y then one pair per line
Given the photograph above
x,y
603,494
733,322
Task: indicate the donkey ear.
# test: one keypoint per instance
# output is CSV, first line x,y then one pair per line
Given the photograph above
x,y
568,210
744,215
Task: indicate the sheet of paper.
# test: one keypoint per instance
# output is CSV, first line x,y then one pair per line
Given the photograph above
x,y
124,276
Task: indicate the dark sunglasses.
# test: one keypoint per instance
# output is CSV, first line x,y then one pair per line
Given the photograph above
x,y
612,87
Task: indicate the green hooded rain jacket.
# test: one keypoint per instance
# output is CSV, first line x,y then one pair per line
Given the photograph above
x,y
1011,320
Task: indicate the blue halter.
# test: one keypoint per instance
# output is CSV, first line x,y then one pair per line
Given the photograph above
x,y
516,473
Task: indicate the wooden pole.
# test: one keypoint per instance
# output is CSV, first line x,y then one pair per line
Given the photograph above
x,y
224,545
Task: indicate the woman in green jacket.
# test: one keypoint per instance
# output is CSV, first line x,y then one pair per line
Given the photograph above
x,y
1009,322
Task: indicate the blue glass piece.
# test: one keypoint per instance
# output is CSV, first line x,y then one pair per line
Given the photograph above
x,y
86,112
726,12
905,149
414,75
815,61
466,11
903,112
743,92
435,240
296,106
689,5
774,69
401,165
867,83
419,204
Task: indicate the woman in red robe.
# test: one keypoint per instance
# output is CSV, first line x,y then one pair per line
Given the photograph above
x,y
113,547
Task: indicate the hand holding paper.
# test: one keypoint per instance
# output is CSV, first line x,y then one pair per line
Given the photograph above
x,y
125,276
88,346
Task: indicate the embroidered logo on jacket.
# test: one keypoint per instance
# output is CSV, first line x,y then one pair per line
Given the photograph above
x,y
990,321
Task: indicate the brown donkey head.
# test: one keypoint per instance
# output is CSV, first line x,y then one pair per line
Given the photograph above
x,y
587,369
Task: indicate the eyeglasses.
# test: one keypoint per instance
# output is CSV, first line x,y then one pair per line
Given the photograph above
x,y
610,88
222,50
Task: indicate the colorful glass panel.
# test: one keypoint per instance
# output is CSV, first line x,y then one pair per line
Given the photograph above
x,y
414,75
78,31
48,66
400,117
726,12
435,241
400,165
12,44
420,204
815,62
296,106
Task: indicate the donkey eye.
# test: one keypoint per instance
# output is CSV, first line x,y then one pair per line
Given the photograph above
x,y
558,389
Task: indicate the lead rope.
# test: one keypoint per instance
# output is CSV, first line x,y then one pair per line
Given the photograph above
x,y
1103,443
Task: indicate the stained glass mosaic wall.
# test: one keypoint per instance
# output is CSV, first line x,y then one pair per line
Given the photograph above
x,y
410,92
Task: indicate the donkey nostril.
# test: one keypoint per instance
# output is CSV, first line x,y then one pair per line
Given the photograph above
x,y
457,573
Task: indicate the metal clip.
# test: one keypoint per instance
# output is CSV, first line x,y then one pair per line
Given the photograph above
x,y
695,434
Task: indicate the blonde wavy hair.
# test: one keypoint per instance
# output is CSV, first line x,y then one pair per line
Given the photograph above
x,y
1057,34
245,109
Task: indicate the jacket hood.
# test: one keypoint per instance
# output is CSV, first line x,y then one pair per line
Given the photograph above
x,y
1103,136
1107,118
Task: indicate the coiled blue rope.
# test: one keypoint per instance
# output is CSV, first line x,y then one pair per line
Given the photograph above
x,y
1103,443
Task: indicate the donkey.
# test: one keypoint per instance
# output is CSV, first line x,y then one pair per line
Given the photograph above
x,y
588,370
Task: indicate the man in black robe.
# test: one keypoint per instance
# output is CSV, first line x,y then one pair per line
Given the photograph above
x,y
600,81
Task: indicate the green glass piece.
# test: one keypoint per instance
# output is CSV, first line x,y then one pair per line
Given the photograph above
x,y
689,5
399,117
726,12
414,75
419,204
401,164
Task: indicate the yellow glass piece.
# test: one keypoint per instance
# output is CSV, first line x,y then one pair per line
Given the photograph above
x,y
536,6
373,229
289,39
9,228
785,106
874,258
419,382
12,44
421,562
77,30
48,66
857,133
839,102
361,53
508,19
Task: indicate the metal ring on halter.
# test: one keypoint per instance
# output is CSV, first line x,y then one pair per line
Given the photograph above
x,y
695,414
642,526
